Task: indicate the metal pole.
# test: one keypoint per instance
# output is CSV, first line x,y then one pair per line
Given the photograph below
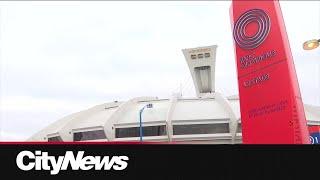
x,y
140,119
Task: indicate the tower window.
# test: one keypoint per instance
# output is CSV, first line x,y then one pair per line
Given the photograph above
x,y
207,55
200,55
193,56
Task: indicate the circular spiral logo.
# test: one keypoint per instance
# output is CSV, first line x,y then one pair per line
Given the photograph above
x,y
251,16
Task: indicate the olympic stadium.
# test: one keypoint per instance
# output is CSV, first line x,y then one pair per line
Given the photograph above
x,y
208,118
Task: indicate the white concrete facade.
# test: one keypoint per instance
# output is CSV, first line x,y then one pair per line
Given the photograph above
x,y
209,118
165,112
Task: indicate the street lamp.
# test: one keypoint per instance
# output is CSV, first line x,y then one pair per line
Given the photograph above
x,y
311,44
140,118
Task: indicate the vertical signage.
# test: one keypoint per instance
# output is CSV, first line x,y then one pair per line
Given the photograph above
x,y
271,106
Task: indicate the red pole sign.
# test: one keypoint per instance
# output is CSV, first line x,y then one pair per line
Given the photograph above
x,y
314,134
271,106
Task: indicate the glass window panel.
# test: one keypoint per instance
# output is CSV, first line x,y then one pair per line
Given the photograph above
x,y
54,139
239,129
89,135
200,128
135,131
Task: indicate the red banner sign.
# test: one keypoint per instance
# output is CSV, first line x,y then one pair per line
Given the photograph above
x,y
271,106
314,131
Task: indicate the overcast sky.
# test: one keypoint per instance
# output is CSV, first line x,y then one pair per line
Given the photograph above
x,y
62,57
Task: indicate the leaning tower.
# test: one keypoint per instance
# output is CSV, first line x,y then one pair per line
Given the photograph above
x,y
201,62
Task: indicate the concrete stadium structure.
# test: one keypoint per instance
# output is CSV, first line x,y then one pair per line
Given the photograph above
x,y
209,118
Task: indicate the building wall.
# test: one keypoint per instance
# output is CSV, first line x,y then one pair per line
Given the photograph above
x,y
165,112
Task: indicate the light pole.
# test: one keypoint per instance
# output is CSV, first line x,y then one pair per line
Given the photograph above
x,y
140,118
311,44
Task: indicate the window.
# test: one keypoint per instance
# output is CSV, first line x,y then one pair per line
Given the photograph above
x,y
54,139
202,68
201,128
135,131
239,129
207,55
200,55
89,135
193,56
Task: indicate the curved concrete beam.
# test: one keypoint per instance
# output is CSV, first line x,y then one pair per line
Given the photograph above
x,y
233,125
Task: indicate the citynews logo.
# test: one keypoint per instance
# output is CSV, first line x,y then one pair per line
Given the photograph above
x,y
42,161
